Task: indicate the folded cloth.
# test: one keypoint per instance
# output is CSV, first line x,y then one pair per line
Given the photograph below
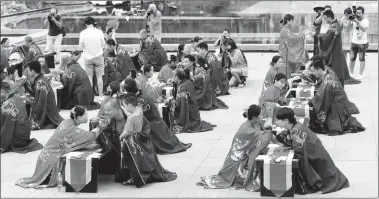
x,y
79,169
277,170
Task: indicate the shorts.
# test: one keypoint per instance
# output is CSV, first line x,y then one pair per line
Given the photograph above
x,y
95,64
358,48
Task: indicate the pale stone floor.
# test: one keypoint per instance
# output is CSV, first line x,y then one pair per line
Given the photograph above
x,y
354,154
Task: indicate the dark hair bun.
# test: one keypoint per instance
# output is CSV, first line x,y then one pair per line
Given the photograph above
x,y
281,21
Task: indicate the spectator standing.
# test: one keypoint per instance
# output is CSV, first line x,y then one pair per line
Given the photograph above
x,y
359,42
55,34
154,20
92,42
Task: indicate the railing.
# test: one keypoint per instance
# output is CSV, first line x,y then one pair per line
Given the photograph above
x,y
41,10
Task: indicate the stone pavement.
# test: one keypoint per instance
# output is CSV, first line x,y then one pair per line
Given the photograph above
x,y
356,155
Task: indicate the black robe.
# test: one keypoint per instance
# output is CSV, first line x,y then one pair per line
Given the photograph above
x,y
15,127
77,89
44,107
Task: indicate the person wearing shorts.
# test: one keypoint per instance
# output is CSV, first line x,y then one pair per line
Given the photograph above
x,y
359,42
92,42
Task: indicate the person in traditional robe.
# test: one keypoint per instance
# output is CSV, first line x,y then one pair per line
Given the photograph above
x,y
331,47
331,106
205,95
45,113
180,54
239,168
34,51
146,168
167,71
292,46
317,169
152,51
220,82
5,52
353,109
15,124
120,58
163,139
77,89
272,93
238,69
110,73
276,64
184,110
67,137
9,75
111,34
149,87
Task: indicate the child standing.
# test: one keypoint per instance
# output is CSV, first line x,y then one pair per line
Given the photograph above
x,y
135,116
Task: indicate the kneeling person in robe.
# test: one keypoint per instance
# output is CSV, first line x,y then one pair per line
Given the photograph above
x,y
45,113
15,124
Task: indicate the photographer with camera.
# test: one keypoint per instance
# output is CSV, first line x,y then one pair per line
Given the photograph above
x,y
346,31
55,34
359,42
154,22
220,41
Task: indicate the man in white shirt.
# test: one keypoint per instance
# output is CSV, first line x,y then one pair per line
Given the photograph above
x,y
359,42
92,42
154,19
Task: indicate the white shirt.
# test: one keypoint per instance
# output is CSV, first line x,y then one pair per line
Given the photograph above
x,y
92,41
359,36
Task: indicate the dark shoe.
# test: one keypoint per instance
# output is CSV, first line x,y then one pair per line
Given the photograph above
x,y
213,125
188,145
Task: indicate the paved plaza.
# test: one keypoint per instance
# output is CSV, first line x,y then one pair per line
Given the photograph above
x,y
356,155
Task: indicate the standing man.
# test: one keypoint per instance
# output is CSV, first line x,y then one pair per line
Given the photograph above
x,y
154,21
92,42
331,47
359,42
55,34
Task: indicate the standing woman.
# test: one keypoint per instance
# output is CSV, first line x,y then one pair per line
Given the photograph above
x,y
292,46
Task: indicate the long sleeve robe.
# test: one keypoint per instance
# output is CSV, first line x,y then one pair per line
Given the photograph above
x,y
66,138
185,113
44,105
77,89
315,164
123,62
16,128
205,95
153,53
332,109
238,169
331,50
220,82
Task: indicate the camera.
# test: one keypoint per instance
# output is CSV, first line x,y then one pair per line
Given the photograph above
x,y
353,16
148,13
50,16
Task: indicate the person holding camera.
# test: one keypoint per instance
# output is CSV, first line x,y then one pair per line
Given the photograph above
x,y
154,21
346,31
220,41
55,34
359,42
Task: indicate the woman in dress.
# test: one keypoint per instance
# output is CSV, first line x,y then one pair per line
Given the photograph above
x,y
67,137
239,169
316,166
149,89
273,93
184,110
292,46
205,95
